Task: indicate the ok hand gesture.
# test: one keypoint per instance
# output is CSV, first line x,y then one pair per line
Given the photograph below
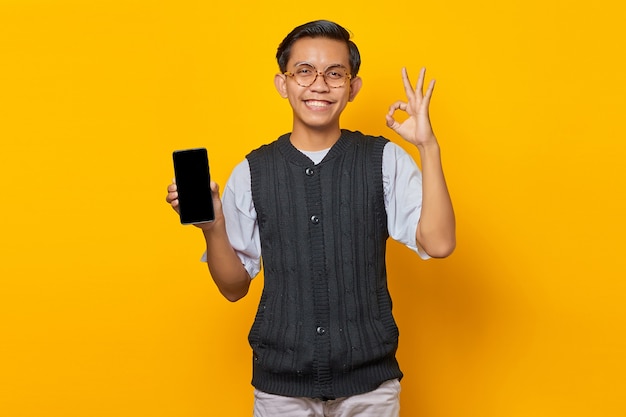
x,y
416,129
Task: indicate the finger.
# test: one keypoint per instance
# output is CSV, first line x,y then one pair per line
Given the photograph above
x,y
419,88
171,196
172,187
398,105
215,192
429,93
391,122
172,200
408,88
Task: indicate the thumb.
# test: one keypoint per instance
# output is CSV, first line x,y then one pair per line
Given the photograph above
x,y
392,123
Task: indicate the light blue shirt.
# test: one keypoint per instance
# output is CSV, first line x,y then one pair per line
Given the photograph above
x,y
402,184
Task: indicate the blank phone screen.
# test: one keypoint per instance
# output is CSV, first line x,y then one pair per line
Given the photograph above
x,y
191,168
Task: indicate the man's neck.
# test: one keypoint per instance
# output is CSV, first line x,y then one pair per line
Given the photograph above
x,y
314,140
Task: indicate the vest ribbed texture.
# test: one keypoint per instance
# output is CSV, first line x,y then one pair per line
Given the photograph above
x,y
324,327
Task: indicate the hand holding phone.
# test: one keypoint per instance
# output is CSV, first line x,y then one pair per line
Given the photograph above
x,y
191,170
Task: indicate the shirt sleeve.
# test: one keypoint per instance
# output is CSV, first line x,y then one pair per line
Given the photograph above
x,y
241,219
402,183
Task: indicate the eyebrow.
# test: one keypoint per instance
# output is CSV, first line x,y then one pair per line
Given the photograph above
x,y
311,65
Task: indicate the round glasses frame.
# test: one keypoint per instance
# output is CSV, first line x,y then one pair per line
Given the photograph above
x,y
344,79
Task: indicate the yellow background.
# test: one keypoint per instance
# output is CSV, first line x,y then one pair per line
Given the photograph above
x,y
105,309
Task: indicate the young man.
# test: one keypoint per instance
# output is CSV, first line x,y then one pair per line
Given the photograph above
x,y
317,205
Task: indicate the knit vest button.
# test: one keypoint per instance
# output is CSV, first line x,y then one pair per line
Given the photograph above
x,y
309,172
315,219
320,330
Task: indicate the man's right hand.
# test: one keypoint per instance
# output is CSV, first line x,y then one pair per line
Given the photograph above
x,y
172,200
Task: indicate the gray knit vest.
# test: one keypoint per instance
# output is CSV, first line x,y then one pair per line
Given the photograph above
x,y
324,327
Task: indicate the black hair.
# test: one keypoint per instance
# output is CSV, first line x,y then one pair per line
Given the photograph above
x,y
318,29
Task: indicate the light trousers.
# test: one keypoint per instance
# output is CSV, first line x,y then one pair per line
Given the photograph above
x,y
382,402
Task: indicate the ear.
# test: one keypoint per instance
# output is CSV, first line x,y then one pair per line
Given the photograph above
x,y
355,86
280,82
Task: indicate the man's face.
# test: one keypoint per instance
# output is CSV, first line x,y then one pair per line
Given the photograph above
x,y
317,106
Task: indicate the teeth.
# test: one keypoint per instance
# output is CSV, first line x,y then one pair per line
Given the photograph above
x,y
314,103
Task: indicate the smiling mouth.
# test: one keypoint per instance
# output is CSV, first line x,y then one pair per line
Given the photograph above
x,y
319,104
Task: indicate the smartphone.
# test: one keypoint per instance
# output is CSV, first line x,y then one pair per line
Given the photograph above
x,y
191,169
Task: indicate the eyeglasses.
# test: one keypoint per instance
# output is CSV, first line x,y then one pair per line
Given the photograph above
x,y
334,76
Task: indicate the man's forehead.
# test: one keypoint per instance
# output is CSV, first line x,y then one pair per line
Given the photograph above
x,y
320,51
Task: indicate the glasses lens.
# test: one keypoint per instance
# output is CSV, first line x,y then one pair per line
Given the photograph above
x,y
335,76
305,75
